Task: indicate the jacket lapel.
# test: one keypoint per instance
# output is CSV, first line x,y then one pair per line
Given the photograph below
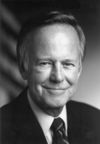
x,y
26,125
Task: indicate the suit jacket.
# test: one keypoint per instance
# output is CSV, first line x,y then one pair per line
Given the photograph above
x,y
18,124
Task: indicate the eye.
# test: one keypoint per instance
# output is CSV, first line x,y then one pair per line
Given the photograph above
x,y
44,63
68,65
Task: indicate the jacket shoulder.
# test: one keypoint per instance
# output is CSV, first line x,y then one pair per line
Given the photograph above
x,y
84,122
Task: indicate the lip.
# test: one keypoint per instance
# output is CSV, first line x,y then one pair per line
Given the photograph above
x,y
55,91
55,88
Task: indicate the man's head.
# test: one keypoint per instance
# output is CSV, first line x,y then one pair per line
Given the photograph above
x,y
50,53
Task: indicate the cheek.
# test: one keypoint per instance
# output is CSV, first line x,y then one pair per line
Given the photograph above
x,y
72,76
35,81
39,77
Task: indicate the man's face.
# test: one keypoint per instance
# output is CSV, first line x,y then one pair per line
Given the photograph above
x,y
54,65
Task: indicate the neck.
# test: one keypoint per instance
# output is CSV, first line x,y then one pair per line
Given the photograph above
x,y
53,111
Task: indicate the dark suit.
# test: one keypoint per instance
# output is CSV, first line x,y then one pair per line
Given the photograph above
x,y
19,125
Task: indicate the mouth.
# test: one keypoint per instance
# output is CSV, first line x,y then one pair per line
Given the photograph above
x,y
55,90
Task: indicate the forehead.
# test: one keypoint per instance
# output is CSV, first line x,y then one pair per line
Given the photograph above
x,y
54,37
59,32
55,29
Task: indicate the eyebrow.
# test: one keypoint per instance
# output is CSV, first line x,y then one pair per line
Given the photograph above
x,y
54,60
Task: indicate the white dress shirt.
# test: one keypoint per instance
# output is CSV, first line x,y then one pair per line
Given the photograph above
x,y
46,120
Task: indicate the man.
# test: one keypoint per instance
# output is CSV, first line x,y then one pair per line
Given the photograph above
x,y
50,53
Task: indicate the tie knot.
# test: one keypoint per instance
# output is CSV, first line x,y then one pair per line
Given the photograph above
x,y
58,129
58,124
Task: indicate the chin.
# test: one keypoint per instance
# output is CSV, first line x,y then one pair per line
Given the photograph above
x,y
56,103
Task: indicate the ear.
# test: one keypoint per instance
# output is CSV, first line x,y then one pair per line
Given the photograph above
x,y
80,69
24,69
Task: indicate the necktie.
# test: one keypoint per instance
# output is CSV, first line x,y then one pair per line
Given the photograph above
x,y
58,129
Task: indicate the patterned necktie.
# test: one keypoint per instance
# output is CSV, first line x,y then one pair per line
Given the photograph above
x,y
58,129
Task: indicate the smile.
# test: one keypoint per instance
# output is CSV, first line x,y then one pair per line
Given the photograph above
x,y
55,91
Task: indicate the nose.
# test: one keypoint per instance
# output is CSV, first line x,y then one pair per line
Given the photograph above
x,y
57,74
